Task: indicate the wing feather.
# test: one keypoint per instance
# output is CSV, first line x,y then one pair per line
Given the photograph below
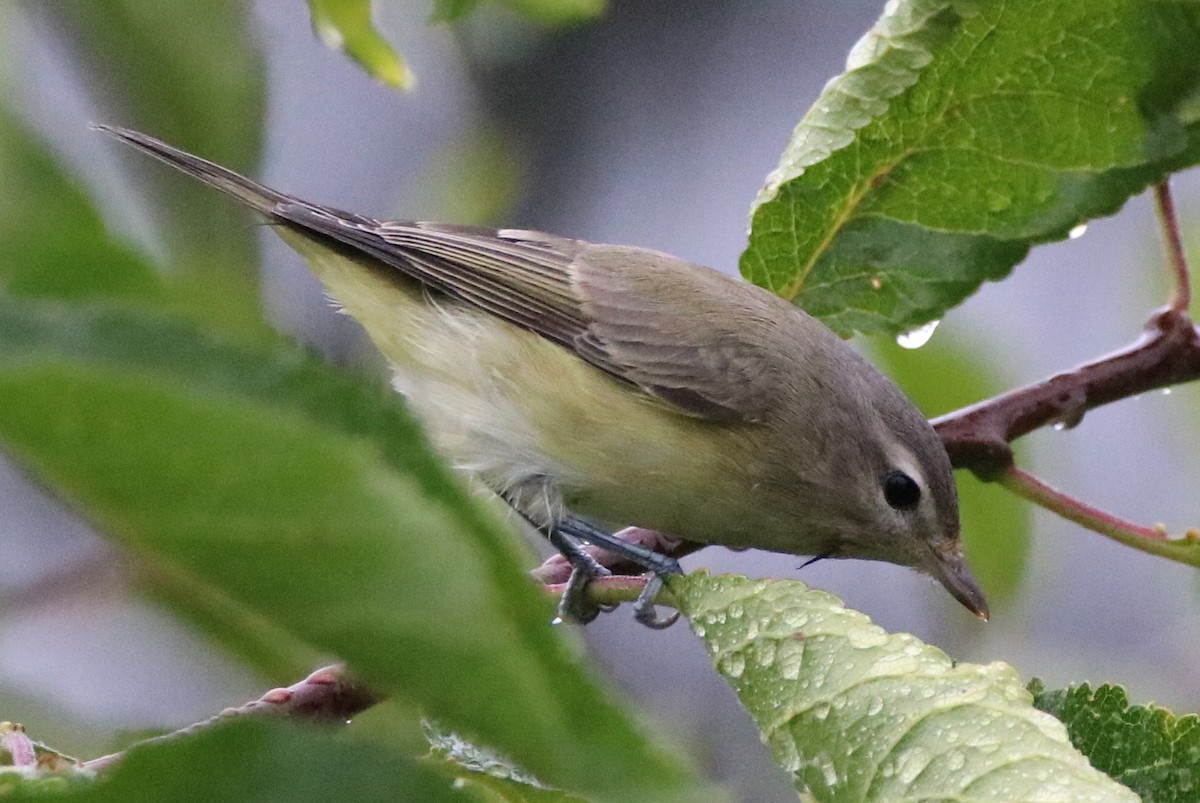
x,y
678,331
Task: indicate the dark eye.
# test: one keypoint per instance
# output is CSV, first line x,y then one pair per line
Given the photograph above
x,y
900,490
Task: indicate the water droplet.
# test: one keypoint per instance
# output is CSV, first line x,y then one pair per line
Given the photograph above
x,y
875,706
1077,232
824,764
863,636
876,283
733,665
791,658
917,337
1059,426
912,762
557,620
1166,391
821,711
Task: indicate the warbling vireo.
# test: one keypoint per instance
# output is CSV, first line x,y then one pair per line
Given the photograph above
x,y
626,385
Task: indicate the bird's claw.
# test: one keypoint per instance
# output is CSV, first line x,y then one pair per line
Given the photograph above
x,y
643,606
574,605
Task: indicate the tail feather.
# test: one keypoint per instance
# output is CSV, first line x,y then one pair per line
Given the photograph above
x,y
256,196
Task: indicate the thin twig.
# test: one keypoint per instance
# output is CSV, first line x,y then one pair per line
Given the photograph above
x,y
329,695
1147,539
613,590
1164,205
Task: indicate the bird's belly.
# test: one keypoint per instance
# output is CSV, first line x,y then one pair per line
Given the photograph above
x,y
529,418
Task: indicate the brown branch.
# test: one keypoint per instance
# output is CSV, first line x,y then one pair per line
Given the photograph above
x,y
329,695
978,437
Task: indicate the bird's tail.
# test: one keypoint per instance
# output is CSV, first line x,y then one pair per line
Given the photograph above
x,y
256,196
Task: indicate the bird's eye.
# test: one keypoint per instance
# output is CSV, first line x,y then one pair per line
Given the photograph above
x,y
900,490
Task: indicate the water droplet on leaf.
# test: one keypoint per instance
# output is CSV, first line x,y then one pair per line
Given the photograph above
x,y
917,337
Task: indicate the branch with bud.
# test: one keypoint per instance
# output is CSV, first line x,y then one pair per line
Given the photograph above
x,y
327,696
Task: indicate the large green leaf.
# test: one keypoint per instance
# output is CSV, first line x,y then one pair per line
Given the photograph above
x,y
1146,748
190,72
52,241
961,133
261,761
260,481
857,714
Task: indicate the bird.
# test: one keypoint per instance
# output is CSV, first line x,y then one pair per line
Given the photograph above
x,y
591,384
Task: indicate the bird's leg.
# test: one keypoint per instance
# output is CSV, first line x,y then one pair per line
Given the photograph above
x,y
574,606
566,535
659,565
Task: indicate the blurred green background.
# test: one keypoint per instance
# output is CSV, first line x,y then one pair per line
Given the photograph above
x,y
653,125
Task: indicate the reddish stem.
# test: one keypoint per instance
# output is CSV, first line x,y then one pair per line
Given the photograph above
x,y
1164,205
1025,484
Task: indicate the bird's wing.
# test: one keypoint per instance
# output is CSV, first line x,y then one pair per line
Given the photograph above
x,y
676,330
697,340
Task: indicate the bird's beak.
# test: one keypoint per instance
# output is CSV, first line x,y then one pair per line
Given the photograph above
x,y
952,572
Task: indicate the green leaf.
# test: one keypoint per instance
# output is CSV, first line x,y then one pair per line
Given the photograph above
x,y
346,25
997,526
189,72
52,242
1147,748
487,776
547,12
257,480
858,714
452,10
558,12
473,180
962,133
263,761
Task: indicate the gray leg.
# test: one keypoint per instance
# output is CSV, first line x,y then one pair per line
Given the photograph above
x,y
659,565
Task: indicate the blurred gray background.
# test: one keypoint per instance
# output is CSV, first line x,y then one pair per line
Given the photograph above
x,y
654,126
